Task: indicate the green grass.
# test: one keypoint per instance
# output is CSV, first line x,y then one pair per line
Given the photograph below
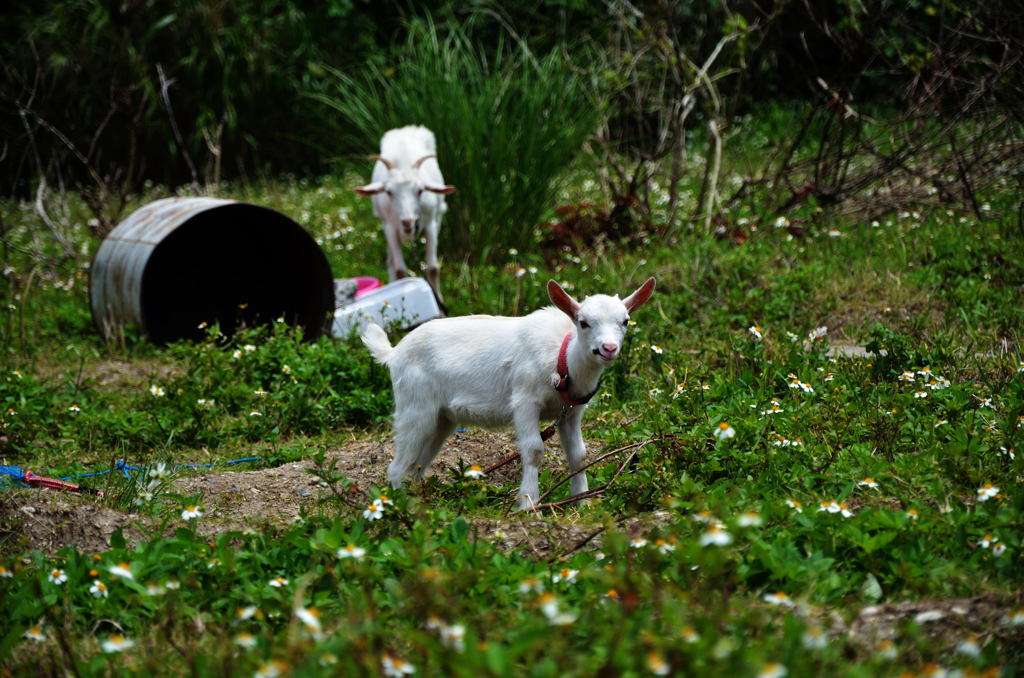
x,y
934,295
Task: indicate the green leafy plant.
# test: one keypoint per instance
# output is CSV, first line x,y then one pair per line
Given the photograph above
x,y
507,122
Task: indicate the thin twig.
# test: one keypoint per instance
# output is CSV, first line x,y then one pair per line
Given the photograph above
x,y
716,164
69,251
589,493
579,545
165,86
969,193
596,492
23,112
576,498
507,460
596,461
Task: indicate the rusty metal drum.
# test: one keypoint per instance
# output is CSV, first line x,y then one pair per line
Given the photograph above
x,y
178,263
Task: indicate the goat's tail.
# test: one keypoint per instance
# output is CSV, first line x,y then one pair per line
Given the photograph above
x,y
377,341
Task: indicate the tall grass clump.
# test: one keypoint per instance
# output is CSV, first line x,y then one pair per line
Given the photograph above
x,y
507,124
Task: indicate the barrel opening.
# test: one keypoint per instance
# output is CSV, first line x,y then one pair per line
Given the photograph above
x,y
237,265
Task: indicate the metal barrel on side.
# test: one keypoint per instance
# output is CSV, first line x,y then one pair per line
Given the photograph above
x,y
178,263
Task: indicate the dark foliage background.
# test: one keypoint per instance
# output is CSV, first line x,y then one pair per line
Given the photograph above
x,y
108,94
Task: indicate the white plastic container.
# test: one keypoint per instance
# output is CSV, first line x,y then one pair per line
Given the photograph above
x,y
407,301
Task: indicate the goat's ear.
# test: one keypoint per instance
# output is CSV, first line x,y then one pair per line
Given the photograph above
x,y
439,189
370,189
640,296
562,300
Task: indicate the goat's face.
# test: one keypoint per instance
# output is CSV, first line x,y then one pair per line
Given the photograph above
x,y
601,323
404,188
600,320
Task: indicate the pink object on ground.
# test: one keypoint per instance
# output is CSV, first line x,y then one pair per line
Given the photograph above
x,y
364,285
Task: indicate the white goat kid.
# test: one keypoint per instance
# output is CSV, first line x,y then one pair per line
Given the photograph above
x,y
408,196
499,371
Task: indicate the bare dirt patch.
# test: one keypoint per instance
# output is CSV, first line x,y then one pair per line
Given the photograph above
x,y
234,500
42,520
237,499
136,373
950,620
125,374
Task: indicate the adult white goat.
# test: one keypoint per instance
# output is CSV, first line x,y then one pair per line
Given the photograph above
x,y
408,196
498,371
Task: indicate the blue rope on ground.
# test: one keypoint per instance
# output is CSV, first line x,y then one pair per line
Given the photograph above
x,y
121,465
18,475
15,473
213,463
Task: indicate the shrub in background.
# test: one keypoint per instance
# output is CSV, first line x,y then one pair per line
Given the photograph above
x,y
508,123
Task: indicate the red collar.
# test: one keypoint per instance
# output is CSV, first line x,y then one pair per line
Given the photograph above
x,y
563,377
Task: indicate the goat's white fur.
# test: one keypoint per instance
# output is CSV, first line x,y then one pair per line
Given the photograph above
x,y
408,196
499,371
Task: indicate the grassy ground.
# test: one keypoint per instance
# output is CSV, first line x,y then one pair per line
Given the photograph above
x,y
779,501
